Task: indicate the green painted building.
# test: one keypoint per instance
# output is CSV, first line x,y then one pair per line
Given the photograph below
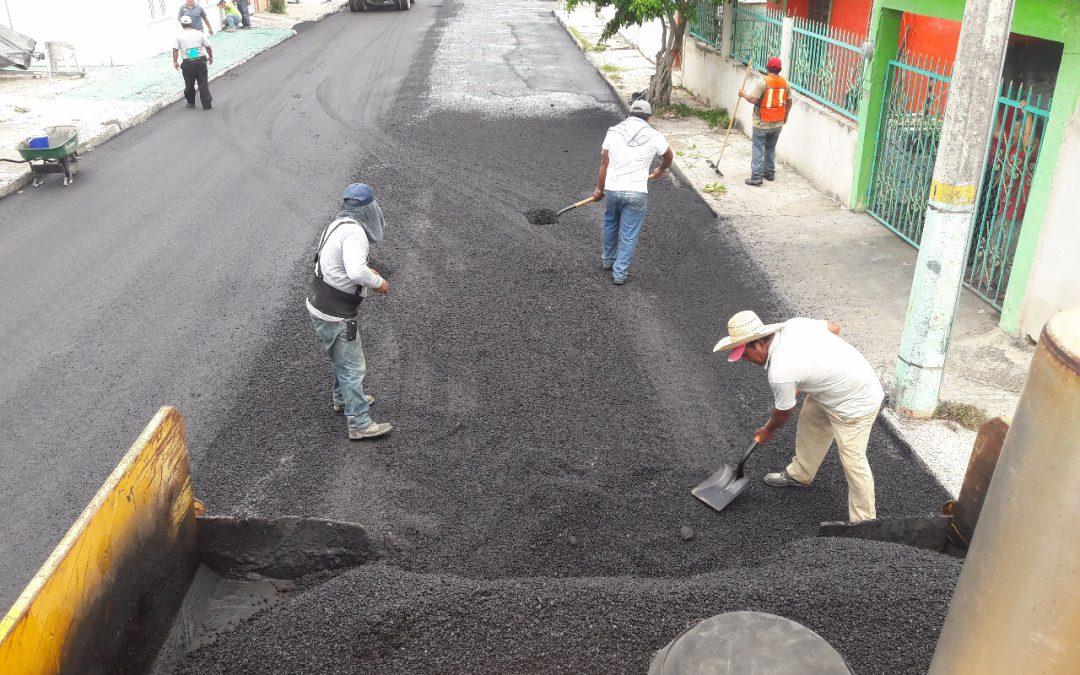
x,y
1027,204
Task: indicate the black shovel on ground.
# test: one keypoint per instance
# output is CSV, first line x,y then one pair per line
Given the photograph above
x,y
721,488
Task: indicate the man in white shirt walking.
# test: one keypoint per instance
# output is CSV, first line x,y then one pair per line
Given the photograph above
x,y
843,397
191,55
341,281
627,155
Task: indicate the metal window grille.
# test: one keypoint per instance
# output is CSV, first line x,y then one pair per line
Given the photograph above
x,y
157,8
826,65
705,22
755,34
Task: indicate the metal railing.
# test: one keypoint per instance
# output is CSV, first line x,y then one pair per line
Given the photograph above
x,y
706,21
909,130
826,65
1019,123
756,34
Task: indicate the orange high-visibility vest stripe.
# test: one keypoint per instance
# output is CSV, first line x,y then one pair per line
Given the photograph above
x,y
773,106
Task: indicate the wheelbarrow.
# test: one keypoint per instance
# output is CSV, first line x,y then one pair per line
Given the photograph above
x,y
60,155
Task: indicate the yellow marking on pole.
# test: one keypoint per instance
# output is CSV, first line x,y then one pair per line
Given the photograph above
x,y
145,502
952,195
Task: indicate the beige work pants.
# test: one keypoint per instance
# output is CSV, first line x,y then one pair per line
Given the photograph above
x,y
818,427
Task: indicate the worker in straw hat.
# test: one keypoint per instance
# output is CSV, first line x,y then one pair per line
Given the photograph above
x,y
843,396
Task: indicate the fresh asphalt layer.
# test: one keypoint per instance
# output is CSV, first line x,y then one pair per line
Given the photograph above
x,y
549,425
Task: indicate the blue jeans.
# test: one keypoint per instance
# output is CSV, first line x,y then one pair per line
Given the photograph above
x,y
242,7
348,368
232,21
623,215
763,162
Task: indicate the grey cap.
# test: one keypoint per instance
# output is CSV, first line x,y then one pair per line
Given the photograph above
x,y
641,106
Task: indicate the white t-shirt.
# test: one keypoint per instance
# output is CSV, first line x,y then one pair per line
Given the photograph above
x,y
189,39
632,145
805,356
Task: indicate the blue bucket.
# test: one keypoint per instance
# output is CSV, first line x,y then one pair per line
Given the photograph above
x,y
38,142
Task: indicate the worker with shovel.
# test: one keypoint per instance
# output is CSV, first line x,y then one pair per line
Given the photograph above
x,y
843,396
340,283
771,99
627,155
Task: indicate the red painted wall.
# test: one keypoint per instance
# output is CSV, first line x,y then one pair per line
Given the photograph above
x,y
931,37
852,16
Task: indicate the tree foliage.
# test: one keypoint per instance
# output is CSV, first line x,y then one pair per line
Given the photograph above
x,y
634,13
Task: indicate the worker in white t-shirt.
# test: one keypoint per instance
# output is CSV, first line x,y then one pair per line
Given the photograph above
x,y
625,162
843,397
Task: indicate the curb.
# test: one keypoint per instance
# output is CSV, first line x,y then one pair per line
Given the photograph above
x,y
117,127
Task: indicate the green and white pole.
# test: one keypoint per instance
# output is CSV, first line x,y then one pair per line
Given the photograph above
x,y
950,210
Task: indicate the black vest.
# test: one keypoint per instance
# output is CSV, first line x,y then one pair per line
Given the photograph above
x,y
326,298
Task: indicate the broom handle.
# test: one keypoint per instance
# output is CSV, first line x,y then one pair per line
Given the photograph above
x,y
731,122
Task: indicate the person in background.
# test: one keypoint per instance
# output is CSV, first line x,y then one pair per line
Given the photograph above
x,y
245,13
341,281
197,15
843,397
230,18
194,48
626,156
772,103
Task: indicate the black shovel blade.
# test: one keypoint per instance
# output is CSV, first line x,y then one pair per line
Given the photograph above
x,y
721,488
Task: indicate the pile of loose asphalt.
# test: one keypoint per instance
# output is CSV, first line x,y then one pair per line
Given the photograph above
x,y
535,495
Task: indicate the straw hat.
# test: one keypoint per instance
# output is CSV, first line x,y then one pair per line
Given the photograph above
x,y
745,327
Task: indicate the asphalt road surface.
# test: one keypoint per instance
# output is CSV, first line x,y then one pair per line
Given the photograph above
x,y
549,425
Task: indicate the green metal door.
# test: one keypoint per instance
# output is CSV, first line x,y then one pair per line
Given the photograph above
x,y
1015,141
908,134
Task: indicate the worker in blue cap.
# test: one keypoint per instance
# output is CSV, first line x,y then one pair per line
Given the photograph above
x,y
341,281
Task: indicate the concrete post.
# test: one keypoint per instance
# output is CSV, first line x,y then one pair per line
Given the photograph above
x,y
787,34
935,291
727,24
1016,608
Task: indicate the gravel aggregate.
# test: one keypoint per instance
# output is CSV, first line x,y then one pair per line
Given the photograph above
x,y
382,619
548,429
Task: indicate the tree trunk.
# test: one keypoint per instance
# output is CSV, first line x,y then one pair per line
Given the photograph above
x,y
659,95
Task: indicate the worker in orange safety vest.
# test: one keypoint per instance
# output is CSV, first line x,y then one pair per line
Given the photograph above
x,y
772,102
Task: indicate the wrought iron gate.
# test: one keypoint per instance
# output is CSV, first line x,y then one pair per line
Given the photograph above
x,y
908,134
1015,141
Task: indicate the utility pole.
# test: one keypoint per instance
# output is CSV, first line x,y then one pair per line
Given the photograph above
x,y
950,210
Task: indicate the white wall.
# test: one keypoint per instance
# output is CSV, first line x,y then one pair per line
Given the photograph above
x,y
1054,283
105,32
647,37
816,142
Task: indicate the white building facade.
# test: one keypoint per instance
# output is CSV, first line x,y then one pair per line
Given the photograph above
x,y
103,32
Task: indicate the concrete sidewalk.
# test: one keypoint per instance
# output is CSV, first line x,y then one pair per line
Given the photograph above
x,y
108,100
827,261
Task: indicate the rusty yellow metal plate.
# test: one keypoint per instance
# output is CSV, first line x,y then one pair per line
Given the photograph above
x,y
104,598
